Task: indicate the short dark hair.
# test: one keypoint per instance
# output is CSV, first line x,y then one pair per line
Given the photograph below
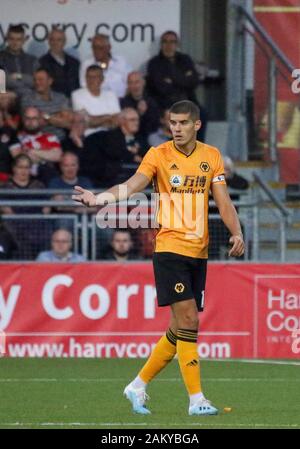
x,y
42,69
123,231
186,107
16,29
21,157
169,32
94,67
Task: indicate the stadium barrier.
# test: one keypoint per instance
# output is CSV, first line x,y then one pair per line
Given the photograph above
x,y
32,231
109,310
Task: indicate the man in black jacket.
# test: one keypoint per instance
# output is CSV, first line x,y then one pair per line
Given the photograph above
x,y
63,68
18,65
171,75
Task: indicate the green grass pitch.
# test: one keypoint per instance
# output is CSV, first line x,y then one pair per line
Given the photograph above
x,y
87,393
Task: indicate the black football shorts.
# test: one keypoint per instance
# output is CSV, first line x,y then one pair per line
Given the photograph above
x,y
179,278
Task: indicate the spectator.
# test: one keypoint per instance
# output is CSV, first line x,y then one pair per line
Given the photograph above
x,y
163,134
233,180
55,107
146,107
115,68
69,167
121,246
43,148
100,108
8,143
171,75
9,110
30,233
8,243
18,65
21,180
125,145
61,244
63,68
98,111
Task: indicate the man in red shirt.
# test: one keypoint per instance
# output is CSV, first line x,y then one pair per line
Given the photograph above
x,y
43,148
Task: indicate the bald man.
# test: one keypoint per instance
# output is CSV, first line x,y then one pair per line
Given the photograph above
x,y
138,99
115,68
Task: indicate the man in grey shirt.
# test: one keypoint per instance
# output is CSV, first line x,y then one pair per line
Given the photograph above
x,y
55,106
61,244
18,65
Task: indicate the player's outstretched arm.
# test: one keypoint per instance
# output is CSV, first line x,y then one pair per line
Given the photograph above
x,y
119,192
230,218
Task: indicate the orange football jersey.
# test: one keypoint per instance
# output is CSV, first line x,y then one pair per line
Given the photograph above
x,y
183,185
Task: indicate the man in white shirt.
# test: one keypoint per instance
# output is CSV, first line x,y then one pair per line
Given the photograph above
x,y
99,107
115,68
96,112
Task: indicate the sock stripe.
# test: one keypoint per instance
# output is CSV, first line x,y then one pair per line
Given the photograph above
x,y
189,331
187,335
188,340
171,337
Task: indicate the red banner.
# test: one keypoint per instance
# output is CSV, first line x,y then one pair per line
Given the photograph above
x,y
109,310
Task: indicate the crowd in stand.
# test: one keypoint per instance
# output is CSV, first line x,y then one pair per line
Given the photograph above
x,y
65,122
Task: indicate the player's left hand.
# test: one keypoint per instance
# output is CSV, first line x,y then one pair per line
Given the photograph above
x,y
238,246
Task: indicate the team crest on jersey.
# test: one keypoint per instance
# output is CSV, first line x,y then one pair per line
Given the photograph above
x,y
179,287
204,166
176,180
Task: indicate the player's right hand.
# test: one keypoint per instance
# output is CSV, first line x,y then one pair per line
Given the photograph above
x,y
85,197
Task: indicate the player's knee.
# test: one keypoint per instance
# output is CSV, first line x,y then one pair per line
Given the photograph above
x,y
188,320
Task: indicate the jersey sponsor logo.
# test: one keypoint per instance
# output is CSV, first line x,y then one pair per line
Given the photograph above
x,y
194,181
204,166
174,167
176,180
179,287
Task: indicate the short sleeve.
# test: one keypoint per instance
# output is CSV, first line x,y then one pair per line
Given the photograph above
x,y
148,166
218,170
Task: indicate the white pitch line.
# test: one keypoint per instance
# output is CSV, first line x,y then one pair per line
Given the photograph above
x,y
145,424
175,379
259,361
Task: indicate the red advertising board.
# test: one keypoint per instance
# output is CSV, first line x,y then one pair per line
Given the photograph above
x,y
109,310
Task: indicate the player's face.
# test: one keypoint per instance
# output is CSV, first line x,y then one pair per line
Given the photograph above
x,y
183,128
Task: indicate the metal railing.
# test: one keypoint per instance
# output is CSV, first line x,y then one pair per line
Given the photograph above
x,y
33,230
275,69
282,214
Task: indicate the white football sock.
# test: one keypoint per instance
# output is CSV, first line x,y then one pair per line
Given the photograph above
x,y
194,398
138,383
